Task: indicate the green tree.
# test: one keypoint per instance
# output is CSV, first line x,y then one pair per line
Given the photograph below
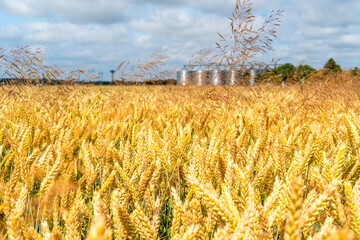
x,y
355,72
331,66
284,72
264,76
303,72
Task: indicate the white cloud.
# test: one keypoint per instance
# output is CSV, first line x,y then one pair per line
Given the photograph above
x,y
76,11
182,26
44,32
328,12
10,31
321,32
350,41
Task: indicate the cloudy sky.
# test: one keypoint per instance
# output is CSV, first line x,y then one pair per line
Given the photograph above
x,y
99,34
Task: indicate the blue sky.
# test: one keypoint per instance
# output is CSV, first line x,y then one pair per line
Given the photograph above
x,y
99,34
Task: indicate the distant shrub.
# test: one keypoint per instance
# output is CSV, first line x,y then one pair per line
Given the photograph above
x,y
331,67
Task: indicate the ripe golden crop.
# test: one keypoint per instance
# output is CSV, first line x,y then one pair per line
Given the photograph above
x,y
264,162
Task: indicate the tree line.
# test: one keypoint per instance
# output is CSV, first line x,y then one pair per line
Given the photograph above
x,y
297,74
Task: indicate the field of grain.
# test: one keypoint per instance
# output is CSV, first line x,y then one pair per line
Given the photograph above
x,y
266,162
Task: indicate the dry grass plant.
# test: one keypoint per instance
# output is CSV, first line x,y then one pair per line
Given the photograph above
x,y
247,41
144,69
26,63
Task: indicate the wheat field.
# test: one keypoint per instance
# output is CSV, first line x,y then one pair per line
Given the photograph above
x,y
265,162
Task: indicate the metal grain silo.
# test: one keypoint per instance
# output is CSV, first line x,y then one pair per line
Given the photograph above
x,y
182,76
207,75
199,76
224,77
215,77
193,76
190,76
253,73
232,77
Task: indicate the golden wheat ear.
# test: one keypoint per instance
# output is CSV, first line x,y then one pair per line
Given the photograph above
x,y
293,222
